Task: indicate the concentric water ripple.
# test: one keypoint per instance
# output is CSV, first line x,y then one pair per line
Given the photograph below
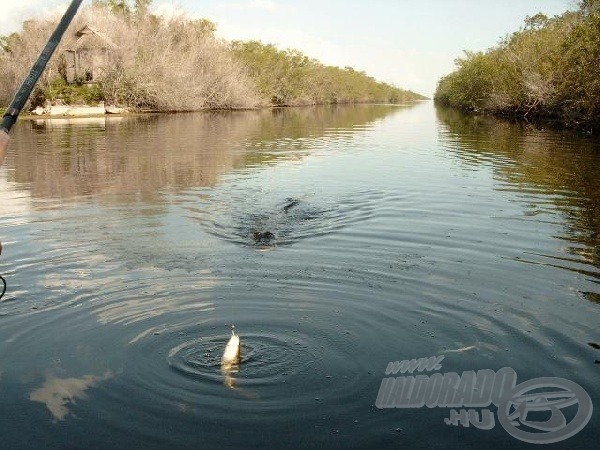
x,y
265,358
393,236
245,219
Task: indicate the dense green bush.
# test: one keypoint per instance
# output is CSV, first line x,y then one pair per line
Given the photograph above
x,y
70,94
550,68
288,77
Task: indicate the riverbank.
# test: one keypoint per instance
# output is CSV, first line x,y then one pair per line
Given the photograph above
x,y
77,110
89,111
548,70
149,62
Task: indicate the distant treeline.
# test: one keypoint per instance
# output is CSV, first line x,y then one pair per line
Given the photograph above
x,y
178,64
288,77
548,69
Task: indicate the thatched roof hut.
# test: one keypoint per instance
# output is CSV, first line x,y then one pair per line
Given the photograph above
x,y
88,55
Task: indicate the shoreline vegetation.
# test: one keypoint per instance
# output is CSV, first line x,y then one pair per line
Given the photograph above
x,y
171,64
548,70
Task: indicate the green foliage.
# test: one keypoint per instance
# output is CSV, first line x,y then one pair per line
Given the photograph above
x,y
288,77
589,6
70,94
117,6
124,8
142,7
549,68
579,86
7,43
536,21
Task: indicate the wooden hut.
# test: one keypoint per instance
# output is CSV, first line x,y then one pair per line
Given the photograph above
x,y
88,56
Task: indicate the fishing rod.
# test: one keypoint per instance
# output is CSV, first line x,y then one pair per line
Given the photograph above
x,y
11,114
2,279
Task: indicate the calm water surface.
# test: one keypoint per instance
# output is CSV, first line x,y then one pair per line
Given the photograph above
x,y
396,232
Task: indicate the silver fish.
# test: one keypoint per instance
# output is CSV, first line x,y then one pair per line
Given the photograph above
x,y
230,361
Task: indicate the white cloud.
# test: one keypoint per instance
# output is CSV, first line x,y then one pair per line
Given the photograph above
x,y
267,5
170,11
263,5
59,394
14,13
173,10
313,45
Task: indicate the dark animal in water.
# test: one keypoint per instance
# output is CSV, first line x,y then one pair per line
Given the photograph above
x,y
267,237
291,202
263,237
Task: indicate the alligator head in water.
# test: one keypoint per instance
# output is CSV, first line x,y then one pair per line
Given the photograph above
x,y
263,237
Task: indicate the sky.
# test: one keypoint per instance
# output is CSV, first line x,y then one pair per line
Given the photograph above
x,y
410,43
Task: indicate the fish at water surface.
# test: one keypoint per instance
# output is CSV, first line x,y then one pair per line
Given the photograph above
x,y
230,361
232,349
